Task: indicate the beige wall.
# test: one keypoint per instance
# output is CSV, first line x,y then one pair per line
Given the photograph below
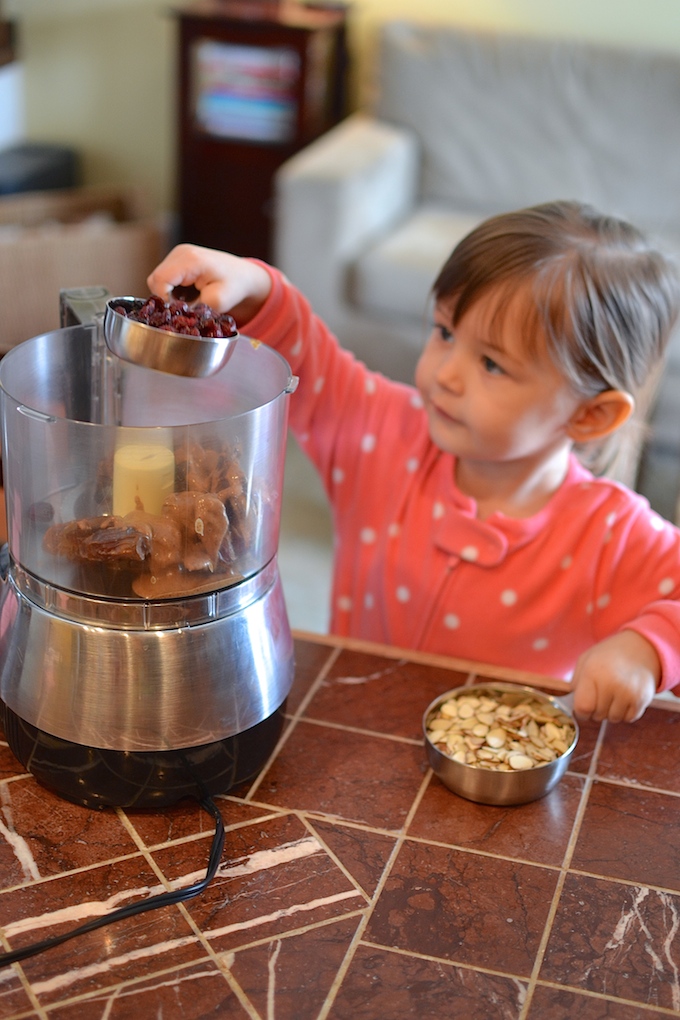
x,y
99,74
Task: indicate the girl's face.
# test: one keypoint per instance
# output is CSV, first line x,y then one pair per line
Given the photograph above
x,y
487,398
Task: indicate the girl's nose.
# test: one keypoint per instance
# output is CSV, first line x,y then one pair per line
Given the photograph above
x,y
450,370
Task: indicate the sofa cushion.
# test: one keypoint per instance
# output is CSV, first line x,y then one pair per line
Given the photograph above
x,y
395,275
507,121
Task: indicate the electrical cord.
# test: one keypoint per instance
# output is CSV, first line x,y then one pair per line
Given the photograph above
x,y
140,907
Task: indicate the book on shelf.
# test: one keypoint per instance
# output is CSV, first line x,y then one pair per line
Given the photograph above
x,y
246,92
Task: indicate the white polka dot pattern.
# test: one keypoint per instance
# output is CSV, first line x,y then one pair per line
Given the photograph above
x,y
415,567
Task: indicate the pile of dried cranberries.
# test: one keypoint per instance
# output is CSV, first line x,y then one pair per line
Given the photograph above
x,y
178,317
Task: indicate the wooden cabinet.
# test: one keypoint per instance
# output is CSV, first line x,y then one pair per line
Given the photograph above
x,y
258,81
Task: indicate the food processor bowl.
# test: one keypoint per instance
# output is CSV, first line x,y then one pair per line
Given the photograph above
x,y
145,649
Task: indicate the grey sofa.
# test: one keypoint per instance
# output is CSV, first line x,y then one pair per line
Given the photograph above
x,y
464,125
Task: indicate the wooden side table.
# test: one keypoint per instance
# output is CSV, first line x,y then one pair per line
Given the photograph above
x,y
258,81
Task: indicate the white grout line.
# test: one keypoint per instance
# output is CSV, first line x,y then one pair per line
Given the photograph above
x,y
349,956
564,870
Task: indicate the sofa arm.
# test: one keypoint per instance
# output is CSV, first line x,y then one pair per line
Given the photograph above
x,y
334,197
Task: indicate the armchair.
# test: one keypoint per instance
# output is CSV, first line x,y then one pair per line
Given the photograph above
x,y
467,124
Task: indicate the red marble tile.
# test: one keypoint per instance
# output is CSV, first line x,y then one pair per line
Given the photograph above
x,y
622,941
102,958
393,694
463,907
357,777
362,852
275,877
631,834
646,755
456,926
277,976
537,832
46,835
187,818
14,1000
395,986
192,993
562,1004
310,659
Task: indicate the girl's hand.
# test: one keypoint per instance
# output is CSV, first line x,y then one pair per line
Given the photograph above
x,y
616,679
225,282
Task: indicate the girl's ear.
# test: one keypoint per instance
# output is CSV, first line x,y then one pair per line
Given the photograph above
x,y
600,416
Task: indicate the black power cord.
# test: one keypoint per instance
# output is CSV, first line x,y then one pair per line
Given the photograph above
x,y
161,900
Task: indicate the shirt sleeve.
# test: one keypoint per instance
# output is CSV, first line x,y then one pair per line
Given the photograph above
x,y
337,395
638,583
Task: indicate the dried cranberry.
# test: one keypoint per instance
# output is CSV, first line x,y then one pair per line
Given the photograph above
x,y
179,317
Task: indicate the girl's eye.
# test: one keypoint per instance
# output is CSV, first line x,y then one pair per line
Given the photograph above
x,y
491,366
444,332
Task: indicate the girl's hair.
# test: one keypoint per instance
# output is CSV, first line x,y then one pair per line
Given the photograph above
x,y
602,296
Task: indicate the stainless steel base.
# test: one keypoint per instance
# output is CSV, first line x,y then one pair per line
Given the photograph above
x,y
146,688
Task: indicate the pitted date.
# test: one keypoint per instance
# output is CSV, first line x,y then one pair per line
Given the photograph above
x,y
179,317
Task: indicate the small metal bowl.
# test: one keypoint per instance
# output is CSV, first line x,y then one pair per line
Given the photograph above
x,y
488,785
175,353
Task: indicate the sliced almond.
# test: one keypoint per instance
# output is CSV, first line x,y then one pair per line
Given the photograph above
x,y
496,737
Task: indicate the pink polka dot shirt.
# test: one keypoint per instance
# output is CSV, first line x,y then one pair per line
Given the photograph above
x,y
415,567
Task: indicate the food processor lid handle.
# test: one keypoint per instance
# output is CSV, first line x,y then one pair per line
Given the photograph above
x,y
82,305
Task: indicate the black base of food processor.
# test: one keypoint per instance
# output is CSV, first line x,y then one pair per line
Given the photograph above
x,y
96,777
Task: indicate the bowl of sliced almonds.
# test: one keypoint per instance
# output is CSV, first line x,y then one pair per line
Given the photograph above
x,y
499,743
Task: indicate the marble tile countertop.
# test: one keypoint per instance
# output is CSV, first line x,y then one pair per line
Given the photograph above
x,y
353,885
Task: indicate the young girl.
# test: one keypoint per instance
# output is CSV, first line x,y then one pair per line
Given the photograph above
x,y
465,525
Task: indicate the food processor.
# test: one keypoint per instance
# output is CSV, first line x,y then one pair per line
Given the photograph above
x,y
145,648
